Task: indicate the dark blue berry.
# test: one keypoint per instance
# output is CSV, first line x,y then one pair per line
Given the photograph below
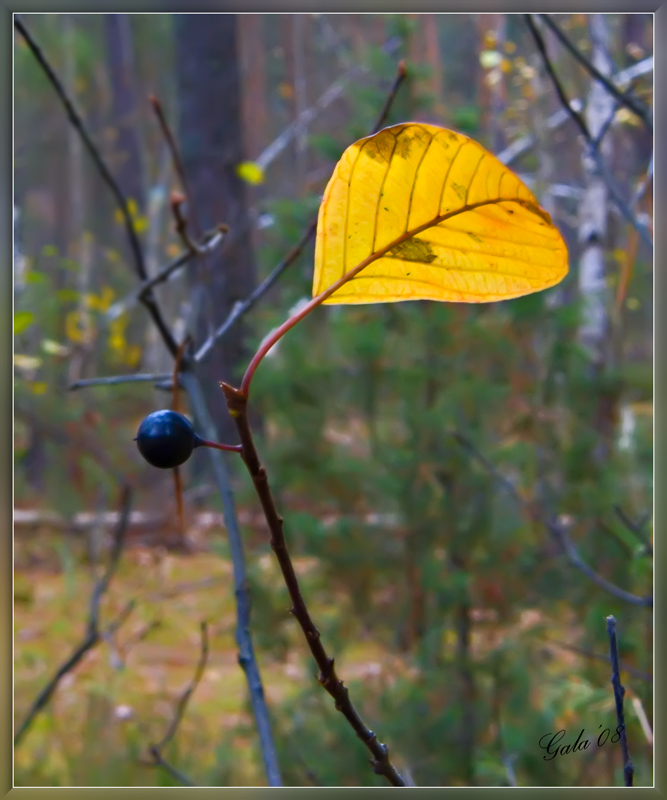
x,y
166,439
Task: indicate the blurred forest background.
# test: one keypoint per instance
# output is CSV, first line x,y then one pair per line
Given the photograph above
x,y
463,624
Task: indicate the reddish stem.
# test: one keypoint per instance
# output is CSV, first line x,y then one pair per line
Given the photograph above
x,y
233,448
270,340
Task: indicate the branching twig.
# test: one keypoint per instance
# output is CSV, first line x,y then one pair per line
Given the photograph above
x,y
242,307
555,528
108,178
625,99
181,706
636,527
208,243
93,632
181,224
619,691
635,673
524,143
237,402
593,144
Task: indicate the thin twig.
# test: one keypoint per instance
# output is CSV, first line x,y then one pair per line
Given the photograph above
x,y
170,769
637,527
401,74
108,178
246,653
556,529
207,244
269,154
116,380
242,307
625,99
93,634
619,691
593,145
181,706
171,143
237,403
524,143
155,750
181,225
635,673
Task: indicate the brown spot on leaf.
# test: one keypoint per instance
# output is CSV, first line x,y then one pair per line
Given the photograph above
x,y
414,250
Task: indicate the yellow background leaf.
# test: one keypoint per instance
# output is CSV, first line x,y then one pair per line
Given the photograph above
x,y
431,215
250,172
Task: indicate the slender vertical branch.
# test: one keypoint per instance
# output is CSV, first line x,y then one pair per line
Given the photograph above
x,y
246,654
237,402
171,144
619,692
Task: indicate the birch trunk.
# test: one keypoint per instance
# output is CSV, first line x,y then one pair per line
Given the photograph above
x,y
593,210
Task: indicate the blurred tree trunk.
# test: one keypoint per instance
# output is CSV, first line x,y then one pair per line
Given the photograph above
x,y
210,132
593,209
253,80
127,162
424,49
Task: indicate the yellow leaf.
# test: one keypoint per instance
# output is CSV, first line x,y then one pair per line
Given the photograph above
x,y
250,172
37,387
418,212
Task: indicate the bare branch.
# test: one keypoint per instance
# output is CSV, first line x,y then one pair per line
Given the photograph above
x,y
108,178
619,691
524,143
171,143
116,380
593,144
625,99
181,706
93,632
637,527
246,653
237,403
209,242
555,528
